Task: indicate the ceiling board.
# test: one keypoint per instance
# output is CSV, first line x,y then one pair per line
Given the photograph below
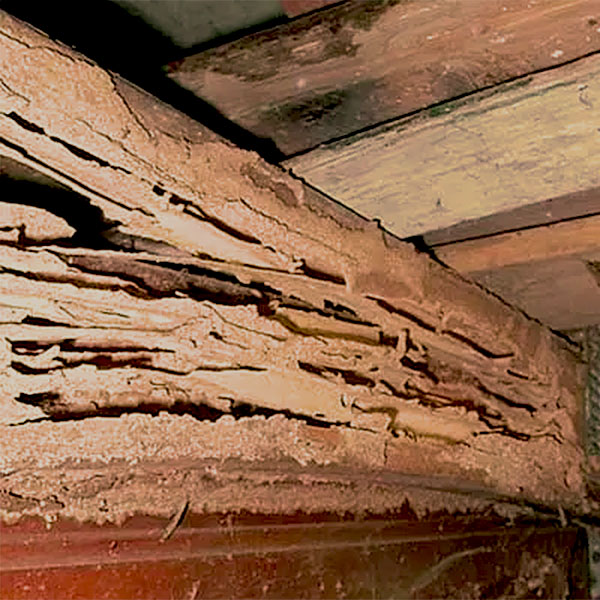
x,y
357,64
518,144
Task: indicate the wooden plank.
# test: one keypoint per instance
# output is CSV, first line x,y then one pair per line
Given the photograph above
x,y
361,63
570,206
578,237
545,270
274,556
520,143
561,292
201,280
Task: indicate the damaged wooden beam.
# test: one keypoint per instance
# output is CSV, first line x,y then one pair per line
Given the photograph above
x,y
361,63
201,280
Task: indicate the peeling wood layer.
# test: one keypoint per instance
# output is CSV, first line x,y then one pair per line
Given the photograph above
x,y
88,331
516,144
200,280
362,63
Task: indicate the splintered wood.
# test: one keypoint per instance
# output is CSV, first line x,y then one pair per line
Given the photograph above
x,y
187,275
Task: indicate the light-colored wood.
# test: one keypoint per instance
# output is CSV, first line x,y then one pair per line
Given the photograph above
x,y
206,281
525,142
361,63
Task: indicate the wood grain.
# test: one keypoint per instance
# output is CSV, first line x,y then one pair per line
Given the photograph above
x,y
329,74
521,143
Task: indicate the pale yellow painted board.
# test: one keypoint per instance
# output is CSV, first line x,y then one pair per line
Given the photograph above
x,y
526,142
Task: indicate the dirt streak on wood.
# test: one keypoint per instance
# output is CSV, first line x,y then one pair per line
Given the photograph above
x,y
252,296
329,74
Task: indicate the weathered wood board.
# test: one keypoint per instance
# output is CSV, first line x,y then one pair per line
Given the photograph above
x,y
525,142
182,274
585,203
546,270
330,74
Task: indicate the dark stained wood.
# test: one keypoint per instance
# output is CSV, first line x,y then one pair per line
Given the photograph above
x,y
328,74
310,556
516,144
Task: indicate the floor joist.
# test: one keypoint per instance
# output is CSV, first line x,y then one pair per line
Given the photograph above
x,y
200,278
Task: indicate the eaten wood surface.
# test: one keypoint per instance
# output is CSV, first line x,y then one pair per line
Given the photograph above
x,y
201,280
520,143
360,63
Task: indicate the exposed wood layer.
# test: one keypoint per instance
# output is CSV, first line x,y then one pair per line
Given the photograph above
x,y
516,144
327,75
200,278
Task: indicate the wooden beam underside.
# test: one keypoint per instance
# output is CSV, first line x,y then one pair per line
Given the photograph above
x,y
200,277
349,68
518,144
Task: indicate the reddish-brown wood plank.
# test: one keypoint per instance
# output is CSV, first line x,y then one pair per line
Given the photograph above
x,y
316,556
546,270
336,71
